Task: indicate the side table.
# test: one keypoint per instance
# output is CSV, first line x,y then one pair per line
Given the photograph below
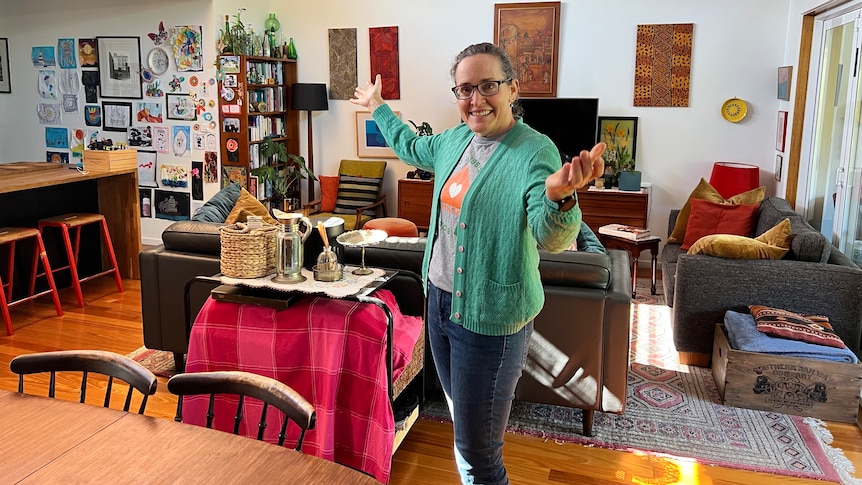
x,y
635,248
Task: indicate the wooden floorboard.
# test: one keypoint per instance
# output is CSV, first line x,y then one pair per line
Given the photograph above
x,y
112,321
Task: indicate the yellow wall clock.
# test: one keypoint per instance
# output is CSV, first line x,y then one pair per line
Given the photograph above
x,y
734,110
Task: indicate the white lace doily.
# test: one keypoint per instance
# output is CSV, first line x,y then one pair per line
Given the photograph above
x,y
351,284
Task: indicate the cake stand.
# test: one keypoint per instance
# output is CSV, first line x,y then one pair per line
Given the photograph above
x,y
361,238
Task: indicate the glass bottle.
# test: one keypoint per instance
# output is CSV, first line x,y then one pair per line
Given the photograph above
x,y
291,50
226,38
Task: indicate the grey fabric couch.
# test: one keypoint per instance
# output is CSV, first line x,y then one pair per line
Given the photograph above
x,y
584,324
814,278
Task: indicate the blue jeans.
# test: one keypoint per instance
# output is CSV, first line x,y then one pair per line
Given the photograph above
x,y
478,374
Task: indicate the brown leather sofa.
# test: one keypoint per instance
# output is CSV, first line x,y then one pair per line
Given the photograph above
x,y
579,354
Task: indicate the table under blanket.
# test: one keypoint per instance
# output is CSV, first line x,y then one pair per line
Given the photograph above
x,y
333,352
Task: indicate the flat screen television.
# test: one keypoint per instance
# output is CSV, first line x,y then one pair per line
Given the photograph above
x,y
571,123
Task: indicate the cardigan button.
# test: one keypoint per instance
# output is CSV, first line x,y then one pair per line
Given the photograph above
x,y
463,225
460,249
457,316
458,293
459,270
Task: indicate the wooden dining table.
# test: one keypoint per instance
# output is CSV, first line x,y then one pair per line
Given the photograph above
x,y
45,440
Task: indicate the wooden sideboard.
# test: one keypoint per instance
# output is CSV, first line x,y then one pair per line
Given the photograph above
x,y
600,207
414,201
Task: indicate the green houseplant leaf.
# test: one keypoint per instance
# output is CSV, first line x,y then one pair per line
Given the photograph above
x,y
282,169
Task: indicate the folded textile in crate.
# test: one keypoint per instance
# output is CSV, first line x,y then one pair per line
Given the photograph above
x,y
742,334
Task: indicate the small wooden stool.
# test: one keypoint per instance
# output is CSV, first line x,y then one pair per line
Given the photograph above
x,y
8,237
75,222
635,248
393,226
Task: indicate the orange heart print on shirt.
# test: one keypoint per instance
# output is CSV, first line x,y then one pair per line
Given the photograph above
x,y
454,190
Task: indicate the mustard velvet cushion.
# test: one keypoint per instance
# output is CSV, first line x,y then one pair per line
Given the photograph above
x,y
772,244
251,206
704,191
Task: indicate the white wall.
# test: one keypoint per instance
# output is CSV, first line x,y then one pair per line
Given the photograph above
x,y
42,22
734,54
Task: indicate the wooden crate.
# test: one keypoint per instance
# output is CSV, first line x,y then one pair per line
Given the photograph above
x,y
108,161
789,385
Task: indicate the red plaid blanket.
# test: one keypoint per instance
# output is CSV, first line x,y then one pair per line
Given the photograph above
x,y
333,352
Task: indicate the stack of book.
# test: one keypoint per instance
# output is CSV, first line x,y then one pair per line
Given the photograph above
x,y
625,231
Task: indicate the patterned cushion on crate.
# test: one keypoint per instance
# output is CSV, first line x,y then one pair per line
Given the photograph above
x,y
355,192
814,329
219,206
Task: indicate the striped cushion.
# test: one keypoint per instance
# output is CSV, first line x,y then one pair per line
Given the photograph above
x,y
356,192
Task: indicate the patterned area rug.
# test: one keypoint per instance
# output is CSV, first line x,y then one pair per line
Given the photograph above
x,y
671,409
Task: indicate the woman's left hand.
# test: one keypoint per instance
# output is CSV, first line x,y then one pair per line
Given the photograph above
x,y
576,174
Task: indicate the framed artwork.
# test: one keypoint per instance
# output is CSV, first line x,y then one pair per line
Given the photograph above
x,y
781,131
120,67
779,165
116,116
181,107
57,157
147,168
88,53
530,33
145,197
173,206
66,54
621,136
785,75
369,141
5,80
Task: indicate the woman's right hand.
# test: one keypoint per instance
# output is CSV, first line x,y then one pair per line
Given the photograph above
x,y
369,97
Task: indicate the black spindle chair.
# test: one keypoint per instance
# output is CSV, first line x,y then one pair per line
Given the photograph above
x,y
102,362
270,391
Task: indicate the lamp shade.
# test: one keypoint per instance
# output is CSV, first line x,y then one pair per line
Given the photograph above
x,y
731,178
309,97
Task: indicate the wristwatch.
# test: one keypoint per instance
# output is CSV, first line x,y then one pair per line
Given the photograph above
x,y
567,203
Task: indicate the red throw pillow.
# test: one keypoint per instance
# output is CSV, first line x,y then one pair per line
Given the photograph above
x,y
709,218
814,329
328,192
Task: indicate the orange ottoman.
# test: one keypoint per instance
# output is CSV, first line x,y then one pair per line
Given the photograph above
x,y
393,226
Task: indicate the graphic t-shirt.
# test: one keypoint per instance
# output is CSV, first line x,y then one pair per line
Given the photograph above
x,y
473,160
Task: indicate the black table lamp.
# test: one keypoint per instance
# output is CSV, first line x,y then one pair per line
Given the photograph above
x,y
309,97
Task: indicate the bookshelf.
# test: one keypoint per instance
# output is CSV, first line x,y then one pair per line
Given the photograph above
x,y
254,96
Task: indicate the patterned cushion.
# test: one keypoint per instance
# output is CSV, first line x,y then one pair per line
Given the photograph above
x,y
813,329
356,192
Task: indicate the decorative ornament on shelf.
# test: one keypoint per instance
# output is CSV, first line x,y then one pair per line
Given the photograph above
x,y
271,26
236,38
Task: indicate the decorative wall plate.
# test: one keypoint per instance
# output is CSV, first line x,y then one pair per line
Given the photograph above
x,y
158,60
734,110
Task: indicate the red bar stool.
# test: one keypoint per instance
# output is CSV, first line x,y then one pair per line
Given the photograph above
x,y
68,223
8,237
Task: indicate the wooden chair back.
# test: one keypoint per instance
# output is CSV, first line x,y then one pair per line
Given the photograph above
x,y
354,203
109,364
270,391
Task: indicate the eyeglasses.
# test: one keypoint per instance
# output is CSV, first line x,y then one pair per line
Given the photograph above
x,y
486,88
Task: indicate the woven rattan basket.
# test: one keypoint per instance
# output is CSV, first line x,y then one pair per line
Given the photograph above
x,y
247,253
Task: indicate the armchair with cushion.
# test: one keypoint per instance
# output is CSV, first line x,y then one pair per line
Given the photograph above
x,y
359,197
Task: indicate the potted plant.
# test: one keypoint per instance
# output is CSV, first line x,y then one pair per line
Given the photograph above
x,y
423,129
629,178
282,170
